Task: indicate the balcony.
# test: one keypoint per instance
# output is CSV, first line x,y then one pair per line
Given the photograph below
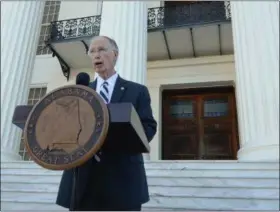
x,y
192,30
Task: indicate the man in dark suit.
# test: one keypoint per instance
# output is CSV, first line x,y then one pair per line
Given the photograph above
x,y
111,181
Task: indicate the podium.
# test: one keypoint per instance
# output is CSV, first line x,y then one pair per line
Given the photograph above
x,y
72,123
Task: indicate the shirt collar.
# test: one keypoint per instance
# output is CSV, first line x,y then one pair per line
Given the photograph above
x,y
111,80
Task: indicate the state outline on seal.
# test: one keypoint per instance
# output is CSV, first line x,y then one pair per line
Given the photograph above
x,y
66,127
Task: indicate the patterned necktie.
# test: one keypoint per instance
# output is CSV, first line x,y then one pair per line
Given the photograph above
x,y
104,92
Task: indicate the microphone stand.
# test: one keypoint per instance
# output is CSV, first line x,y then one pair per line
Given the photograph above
x,y
73,203
81,79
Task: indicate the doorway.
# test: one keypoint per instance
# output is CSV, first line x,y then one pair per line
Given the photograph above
x,y
199,124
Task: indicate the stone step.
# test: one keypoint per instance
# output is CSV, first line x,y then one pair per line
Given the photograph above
x,y
189,165
167,202
174,191
173,185
13,205
162,173
157,181
52,207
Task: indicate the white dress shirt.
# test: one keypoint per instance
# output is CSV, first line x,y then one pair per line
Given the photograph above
x,y
111,84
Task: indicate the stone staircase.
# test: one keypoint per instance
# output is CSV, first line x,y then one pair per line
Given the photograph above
x,y
174,185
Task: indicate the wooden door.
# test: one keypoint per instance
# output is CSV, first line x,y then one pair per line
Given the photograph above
x,y
198,124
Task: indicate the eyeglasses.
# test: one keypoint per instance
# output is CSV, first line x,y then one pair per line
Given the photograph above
x,y
91,52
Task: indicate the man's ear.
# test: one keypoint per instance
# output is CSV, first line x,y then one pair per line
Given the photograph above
x,y
116,54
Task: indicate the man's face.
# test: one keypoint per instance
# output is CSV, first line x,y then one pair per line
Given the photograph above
x,y
102,55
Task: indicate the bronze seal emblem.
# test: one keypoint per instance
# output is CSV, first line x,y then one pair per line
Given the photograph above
x,y
66,128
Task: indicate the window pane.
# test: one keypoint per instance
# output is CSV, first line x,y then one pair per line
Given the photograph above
x,y
216,108
52,9
43,91
22,144
31,93
37,93
26,156
181,108
46,10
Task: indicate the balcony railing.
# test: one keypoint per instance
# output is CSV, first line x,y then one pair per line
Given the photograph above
x,y
75,28
159,18
188,15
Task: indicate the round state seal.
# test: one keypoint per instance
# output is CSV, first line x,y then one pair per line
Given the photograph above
x,y
66,128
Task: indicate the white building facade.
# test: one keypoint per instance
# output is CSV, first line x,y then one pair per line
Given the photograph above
x,y
212,69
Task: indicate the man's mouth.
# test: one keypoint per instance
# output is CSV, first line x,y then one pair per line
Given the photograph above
x,y
98,64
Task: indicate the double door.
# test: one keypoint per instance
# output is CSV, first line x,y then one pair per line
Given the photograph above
x,y
199,126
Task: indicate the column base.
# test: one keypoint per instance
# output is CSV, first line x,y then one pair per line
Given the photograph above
x,y
269,153
9,156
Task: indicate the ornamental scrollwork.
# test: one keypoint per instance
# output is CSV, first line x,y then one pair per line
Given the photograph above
x,y
75,28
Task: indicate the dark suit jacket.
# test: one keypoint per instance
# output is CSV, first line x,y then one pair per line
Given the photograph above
x,y
121,177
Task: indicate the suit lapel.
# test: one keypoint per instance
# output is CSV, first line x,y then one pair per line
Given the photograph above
x,y
119,90
93,84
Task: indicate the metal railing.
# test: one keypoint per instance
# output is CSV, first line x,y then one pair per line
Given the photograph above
x,y
158,18
75,28
188,15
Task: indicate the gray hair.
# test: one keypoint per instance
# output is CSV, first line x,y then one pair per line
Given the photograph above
x,y
112,42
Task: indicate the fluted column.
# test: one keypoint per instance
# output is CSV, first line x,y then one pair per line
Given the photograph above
x,y
20,28
256,43
126,23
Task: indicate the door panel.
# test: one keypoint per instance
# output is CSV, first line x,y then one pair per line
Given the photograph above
x,y
217,146
182,147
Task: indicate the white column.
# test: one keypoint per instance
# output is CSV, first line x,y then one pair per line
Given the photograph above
x,y
126,23
256,43
20,28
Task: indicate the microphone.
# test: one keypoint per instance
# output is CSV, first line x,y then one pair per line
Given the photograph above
x,y
82,79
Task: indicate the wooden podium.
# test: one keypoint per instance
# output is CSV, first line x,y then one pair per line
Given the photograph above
x,y
71,124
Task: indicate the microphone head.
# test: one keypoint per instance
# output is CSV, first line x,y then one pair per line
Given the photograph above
x,y
82,79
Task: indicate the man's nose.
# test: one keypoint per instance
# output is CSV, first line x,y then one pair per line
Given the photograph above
x,y
96,56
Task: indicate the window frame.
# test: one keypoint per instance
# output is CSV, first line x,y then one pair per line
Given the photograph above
x,y
46,26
